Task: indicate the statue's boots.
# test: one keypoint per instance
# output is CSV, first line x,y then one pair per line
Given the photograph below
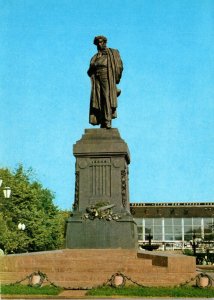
x,y
106,124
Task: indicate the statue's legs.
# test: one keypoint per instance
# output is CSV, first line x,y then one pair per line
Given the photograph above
x,y
106,113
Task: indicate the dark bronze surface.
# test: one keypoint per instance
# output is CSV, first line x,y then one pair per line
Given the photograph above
x,y
105,71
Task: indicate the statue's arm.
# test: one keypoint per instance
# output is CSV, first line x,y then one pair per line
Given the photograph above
x,y
91,69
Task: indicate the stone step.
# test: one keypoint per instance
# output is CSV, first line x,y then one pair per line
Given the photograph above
x,y
15,260
69,259
55,261
78,253
66,264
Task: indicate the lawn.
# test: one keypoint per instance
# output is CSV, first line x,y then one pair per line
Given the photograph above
x,y
187,292
129,291
19,289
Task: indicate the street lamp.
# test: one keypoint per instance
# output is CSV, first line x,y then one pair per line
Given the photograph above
x,y
21,226
6,190
194,244
150,237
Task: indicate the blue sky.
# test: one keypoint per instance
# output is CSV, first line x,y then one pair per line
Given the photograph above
x,y
166,109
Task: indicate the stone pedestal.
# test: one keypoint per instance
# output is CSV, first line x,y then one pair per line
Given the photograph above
x,y
102,160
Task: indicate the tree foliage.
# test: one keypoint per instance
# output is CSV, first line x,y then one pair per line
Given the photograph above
x,y
32,205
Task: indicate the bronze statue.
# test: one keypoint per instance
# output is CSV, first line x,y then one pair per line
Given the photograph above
x,y
105,71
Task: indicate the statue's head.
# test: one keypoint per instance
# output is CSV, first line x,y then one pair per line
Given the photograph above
x,y
100,41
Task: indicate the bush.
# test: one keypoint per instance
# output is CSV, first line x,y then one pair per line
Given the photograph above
x,y
188,252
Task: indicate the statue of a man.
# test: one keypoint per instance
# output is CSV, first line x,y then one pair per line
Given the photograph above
x,y
105,72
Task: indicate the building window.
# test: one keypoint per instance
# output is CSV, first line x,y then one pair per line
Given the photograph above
x,y
175,229
208,229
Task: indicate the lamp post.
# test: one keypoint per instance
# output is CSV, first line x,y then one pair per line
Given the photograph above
x,y
7,194
150,237
194,244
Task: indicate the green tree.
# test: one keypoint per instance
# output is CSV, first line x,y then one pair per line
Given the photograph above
x,y
32,205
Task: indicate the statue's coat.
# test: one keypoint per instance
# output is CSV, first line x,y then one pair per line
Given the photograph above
x,y
114,69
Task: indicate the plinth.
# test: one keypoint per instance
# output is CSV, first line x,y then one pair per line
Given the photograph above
x,y
101,217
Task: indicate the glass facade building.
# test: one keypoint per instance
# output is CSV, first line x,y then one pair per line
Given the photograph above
x,y
174,222
174,229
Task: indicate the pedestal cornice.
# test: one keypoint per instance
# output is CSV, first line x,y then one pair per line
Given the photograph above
x,y
101,142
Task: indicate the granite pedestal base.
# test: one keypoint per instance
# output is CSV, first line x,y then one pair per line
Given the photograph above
x,y
101,234
101,169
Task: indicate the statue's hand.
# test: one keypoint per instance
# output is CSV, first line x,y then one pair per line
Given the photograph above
x,y
91,70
